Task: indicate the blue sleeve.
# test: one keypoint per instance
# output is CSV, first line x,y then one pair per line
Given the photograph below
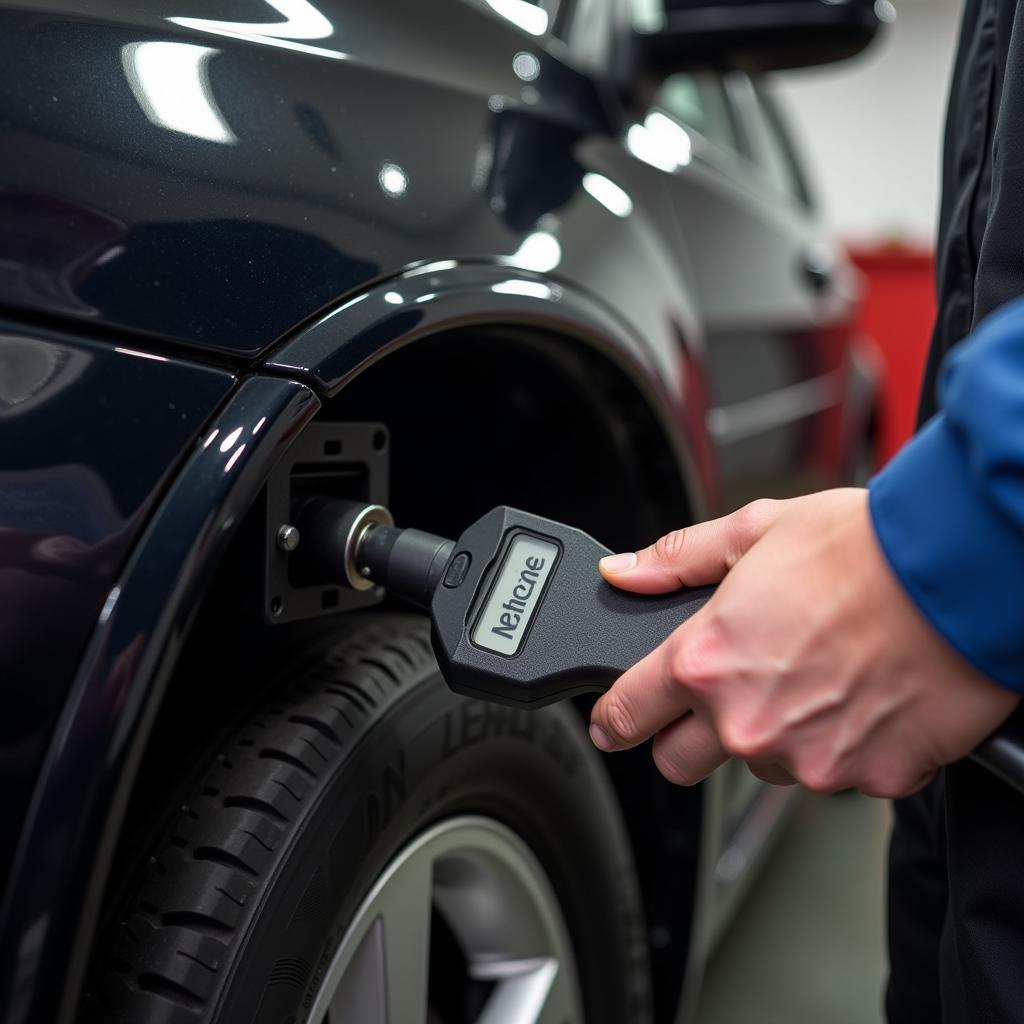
x,y
948,510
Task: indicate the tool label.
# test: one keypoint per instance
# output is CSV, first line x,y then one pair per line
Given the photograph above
x,y
515,595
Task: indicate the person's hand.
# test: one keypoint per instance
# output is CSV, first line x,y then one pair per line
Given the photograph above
x,y
810,662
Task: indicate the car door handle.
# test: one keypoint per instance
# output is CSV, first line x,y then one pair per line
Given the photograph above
x,y
817,269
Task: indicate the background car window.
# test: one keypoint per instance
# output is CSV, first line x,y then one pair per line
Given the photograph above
x,y
774,152
700,102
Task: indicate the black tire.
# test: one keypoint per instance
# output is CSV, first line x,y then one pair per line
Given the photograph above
x,y
244,898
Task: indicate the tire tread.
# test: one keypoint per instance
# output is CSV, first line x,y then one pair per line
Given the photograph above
x,y
191,908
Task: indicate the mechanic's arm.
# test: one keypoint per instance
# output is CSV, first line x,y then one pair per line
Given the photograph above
x,y
858,638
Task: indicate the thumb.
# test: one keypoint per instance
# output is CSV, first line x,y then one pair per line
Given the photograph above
x,y
692,556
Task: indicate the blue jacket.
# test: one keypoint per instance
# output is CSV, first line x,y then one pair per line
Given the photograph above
x,y
948,510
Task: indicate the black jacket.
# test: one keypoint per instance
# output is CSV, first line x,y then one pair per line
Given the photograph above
x,y
980,251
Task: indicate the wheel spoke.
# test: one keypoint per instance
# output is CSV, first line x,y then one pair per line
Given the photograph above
x,y
405,911
560,1005
361,993
485,884
383,979
535,993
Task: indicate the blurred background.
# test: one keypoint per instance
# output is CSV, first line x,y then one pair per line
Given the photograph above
x,y
871,131
871,127
808,946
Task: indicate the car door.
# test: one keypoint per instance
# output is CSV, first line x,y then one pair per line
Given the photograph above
x,y
773,290
774,295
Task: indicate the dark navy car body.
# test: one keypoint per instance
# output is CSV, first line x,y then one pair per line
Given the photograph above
x,y
219,222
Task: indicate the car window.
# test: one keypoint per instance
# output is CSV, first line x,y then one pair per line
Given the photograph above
x,y
700,101
774,153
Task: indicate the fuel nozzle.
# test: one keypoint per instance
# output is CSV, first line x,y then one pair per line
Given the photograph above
x,y
360,545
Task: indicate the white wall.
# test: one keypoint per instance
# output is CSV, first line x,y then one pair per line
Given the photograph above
x,y
871,128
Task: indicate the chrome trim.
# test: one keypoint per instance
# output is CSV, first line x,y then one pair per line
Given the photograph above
x,y
750,837
371,515
728,424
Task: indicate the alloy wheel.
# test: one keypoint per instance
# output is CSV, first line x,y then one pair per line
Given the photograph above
x,y
462,927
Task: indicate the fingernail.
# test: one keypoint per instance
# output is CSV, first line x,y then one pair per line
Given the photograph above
x,y
600,738
619,563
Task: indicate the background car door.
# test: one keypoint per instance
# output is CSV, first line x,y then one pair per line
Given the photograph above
x,y
774,293
775,298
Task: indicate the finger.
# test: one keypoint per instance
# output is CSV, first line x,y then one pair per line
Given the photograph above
x,y
642,701
771,772
894,785
920,782
688,750
694,555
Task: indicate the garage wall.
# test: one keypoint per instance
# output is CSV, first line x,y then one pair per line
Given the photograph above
x,y
871,128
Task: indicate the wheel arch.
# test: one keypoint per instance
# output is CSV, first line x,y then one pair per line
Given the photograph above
x,y
470,413
651,384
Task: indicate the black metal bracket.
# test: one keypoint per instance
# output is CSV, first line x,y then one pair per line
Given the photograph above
x,y
332,460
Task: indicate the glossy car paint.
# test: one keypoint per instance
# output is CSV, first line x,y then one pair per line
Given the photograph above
x,y
218,174
257,197
253,185
68,838
91,434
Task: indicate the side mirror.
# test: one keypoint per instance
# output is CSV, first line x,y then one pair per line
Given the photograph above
x,y
752,35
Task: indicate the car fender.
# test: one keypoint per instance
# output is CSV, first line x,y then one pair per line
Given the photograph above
x,y
94,431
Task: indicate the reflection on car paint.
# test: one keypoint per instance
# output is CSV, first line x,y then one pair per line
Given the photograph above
x,y
91,434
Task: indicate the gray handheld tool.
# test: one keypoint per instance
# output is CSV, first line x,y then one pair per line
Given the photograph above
x,y
520,614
